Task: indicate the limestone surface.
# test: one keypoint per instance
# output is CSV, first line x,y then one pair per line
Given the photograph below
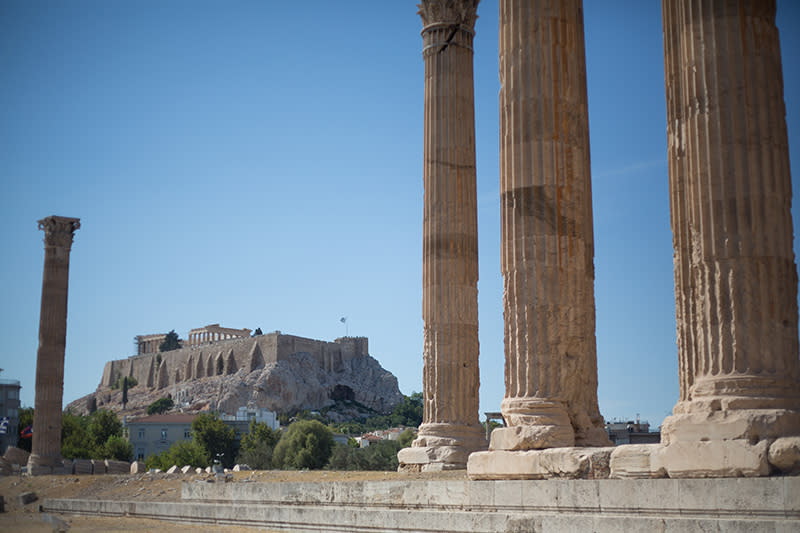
x,y
450,239
735,275
295,382
547,245
46,445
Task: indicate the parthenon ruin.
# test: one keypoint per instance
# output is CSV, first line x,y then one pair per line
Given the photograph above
x,y
197,337
735,275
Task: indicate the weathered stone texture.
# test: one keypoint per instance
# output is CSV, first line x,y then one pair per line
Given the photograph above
x,y
735,275
46,445
547,231
450,239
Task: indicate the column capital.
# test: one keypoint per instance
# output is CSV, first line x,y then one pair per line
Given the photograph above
x,y
59,231
449,12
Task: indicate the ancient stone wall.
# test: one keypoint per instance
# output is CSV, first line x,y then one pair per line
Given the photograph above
x,y
228,356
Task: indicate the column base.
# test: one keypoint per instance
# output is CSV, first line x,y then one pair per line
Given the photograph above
x,y
533,424
563,463
39,465
441,447
696,423
702,439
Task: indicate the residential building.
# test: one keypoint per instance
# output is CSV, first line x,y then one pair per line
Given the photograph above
x,y
631,432
156,433
9,408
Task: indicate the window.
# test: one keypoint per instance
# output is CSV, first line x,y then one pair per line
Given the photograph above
x,y
187,433
163,434
12,412
140,454
13,394
141,433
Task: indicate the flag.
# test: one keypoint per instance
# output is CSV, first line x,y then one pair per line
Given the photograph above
x,y
27,432
343,319
3,425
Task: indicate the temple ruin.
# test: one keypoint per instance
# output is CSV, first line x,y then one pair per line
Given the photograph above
x,y
45,455
735,275
450,428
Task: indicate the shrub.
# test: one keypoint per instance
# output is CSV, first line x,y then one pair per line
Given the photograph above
x,y
159,406
306,444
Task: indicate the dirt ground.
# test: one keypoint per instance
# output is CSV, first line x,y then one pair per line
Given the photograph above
x,y
146,487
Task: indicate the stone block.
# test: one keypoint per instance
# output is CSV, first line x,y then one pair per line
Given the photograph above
x,y
69,466
39,470
728,458
82,466
570,463
185,469
138,467
631,461
172,469
528,437
241,468
27,497
117,467
433,454
784,454
745,424
98,466
198,470
16,456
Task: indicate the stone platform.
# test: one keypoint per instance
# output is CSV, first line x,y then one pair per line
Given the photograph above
x,y
604,505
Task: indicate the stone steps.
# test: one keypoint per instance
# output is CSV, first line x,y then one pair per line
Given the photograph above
x,y
743,504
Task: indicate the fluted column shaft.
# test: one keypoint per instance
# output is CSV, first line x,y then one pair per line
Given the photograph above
x,y
730,196
450,427
46,445
547,231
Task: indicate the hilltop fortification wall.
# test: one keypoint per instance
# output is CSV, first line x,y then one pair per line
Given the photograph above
x,y
159,370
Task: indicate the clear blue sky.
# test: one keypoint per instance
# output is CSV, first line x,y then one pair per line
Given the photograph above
x,y
259,164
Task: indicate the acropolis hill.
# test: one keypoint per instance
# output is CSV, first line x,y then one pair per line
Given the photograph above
x,y
283,373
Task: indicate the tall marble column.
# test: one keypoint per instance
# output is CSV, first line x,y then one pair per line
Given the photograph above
x,y
46,445
730,197
450,428
547,232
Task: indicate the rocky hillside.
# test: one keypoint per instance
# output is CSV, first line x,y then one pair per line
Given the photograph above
x,y
290,384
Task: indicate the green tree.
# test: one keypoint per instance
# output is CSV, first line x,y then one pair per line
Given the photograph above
x,y
75,440
217,438
306,444
171,342
409,411
101,425
117,448
256,447
25,420
124,392
182,453
159,406
406,438
381,455
257,332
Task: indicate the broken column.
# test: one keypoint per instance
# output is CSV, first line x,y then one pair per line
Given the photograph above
x,y
450,428
735,275
46,446
547,238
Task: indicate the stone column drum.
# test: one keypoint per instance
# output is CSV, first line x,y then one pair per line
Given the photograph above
x,y
735,275
46,446
547,231
450,428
